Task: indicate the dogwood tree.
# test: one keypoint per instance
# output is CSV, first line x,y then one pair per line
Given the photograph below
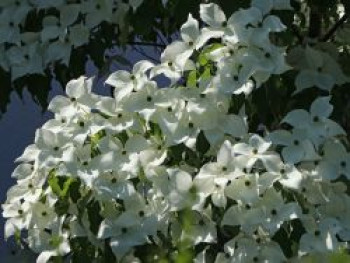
x,y
243,157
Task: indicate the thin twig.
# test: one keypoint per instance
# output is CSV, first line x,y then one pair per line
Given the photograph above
x,y
315,23
297,33
162,38
132,43
145,55
334,28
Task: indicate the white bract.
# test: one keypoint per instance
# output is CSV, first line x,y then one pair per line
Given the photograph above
x,y
320,70
72,25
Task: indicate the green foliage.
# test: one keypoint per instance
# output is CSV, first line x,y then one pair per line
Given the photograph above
x,y
60,185
335,257
83,250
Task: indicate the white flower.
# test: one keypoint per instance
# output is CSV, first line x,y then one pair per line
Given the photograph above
x,y
277,211
54,148
235,73
81,165
335,161
18,214
125,83
231,124
190,35
200,229
51,244
246,249
290,176
28,189
96,12
215,18
142,101
118,157
135,4
181,190
52,28
249,26
298,147
43,216
193,37
340,211
205,105
213,178
270,60
80,100
69,14
41,4
113,185
268,5
116,119
321,237
319,70
30,154
25,60
248,188
9,30
23,171
59,50
171,66
130,228
248,154
78,35
317,124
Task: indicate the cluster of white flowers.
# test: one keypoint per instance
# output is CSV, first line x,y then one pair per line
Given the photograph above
x,y
29,46
172,167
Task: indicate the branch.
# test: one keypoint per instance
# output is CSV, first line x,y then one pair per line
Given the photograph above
x,y
334,28
145,44
145,55
297,33
315,19
161,36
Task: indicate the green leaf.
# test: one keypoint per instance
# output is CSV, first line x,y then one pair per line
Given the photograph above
x,y
202,144
202,59
148,253
95,138
95,219
74,191
62,206
122,136
154,131
192,79
60,185
212,47
206,74
54,183
339,257
76,66
17,237
37,85
82,250
6,91
57,259
108,255
185,256
96,51
66,186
